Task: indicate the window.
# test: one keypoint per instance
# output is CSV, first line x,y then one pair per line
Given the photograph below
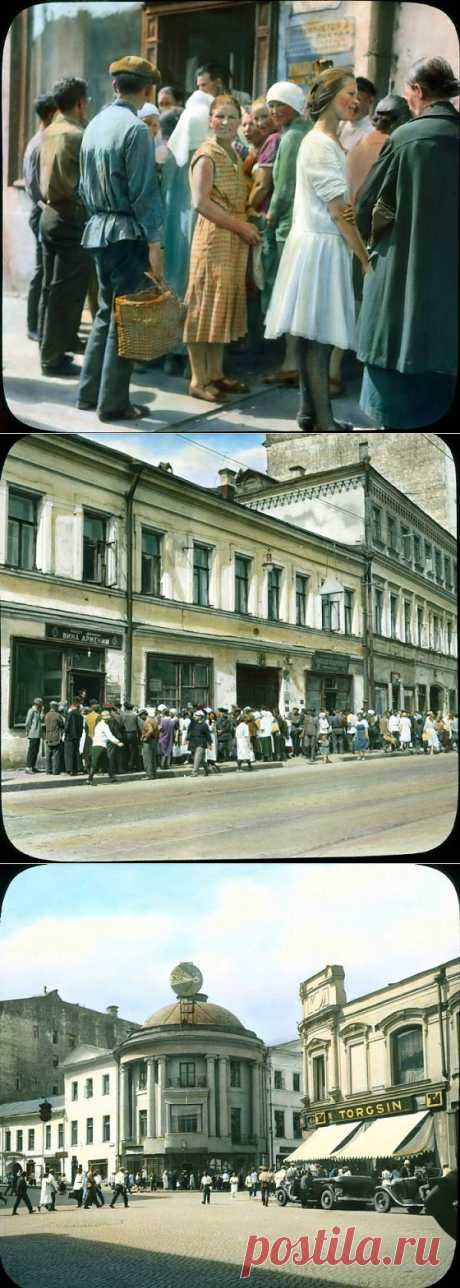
x,y
18,1082
55,1061
187,1073
55,1037
89,1131
94,548
296,1126
142,1123
436,633
392,535
242,567
420,625
105,1084
177,681
235,1073
37,668
72,1042
378,611
54,1089
358,1071
448,572
31,1138
185,1118
278,1080
376,524
151,563
296,1082
7,1141
48,1136
75,1091
428,559
438,565
279,1122
274,587
19,1141
348,612
74,1133
22,529
88,1088
407,1056
201,575
393,616
449,637
406,542
454,576
407,621
106,1127
418,552
301,588
235,1125
330,611
60,1135
319,1077
142,1083
36,1031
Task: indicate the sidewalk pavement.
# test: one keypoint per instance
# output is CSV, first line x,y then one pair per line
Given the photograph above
x,y
44,402
17,780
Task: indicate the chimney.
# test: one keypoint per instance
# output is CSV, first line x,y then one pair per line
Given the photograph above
x,y
112,1010
227,487
166,467
364,454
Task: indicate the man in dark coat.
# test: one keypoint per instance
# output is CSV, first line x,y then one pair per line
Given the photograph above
x,y
407,334
54,725
199,738
72,735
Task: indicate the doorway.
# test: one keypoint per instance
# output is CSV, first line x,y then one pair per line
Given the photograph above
x,y
192,37
90,682
436,698
257,686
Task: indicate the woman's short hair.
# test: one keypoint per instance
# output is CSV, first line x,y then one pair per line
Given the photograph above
x,y
224,98
325,87
435,77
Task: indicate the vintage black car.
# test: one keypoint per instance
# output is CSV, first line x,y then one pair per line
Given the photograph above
x,y
329,1192
407,1192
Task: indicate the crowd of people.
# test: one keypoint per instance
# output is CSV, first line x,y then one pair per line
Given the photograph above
x,y
87,738
313,213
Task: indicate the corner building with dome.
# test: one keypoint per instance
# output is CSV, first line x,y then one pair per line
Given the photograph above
x,y
192,1087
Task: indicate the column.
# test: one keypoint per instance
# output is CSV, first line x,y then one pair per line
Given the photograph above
x,y
124,1132
151,1125
211,1095
223,1087
256,1094
161,1127
306,1090
335,1059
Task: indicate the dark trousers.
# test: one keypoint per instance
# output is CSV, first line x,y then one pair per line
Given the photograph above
x,y
35,287
71,755
150,758
296,735
206,1194
309,745
224,747
265,1190
24,1198
337,741
119,1189
266,747
53,758
66,268
133,751
105,377
32,752
92,1197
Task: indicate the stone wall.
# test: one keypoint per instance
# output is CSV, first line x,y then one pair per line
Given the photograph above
x,y
420,465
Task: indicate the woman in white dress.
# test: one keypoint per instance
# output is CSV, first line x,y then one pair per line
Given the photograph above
x,y
405,732
313,293
244,751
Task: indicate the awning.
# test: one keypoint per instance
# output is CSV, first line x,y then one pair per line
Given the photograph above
x,y
323,1142
386,1136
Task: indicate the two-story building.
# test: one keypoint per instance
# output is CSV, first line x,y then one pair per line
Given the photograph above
x,y
384,1065
121,579
285,1094
29,1143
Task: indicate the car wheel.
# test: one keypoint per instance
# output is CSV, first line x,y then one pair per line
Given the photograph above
x,y
382,1201
327,1200
282,1198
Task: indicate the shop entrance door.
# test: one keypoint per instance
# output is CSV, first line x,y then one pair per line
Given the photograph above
x,y
91,682
180,37
436,698
257,686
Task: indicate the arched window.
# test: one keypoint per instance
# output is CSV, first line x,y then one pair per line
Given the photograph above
x,y
407,1055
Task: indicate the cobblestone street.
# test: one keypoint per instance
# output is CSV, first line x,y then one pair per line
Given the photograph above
x,y
166,1239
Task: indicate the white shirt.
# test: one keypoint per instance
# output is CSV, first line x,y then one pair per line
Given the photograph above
x,y
350,134
102,735
119,1177
266,721
406,731
205,1180
394,724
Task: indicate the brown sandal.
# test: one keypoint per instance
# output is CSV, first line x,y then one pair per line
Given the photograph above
x,y
207,393
232,385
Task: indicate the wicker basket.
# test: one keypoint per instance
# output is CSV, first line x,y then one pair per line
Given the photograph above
x,y
149,323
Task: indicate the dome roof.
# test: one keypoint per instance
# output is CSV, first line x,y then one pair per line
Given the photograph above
x,y
203,1015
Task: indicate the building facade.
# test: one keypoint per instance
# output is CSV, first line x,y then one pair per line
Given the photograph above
x,y
29,1143
36,1035
130,583
285,1095
410,605
388,1060
91,1110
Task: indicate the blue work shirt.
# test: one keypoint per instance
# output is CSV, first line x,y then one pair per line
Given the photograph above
x,y
31,168
118,180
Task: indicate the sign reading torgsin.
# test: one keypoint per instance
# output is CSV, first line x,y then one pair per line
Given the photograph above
x,y
72,635
377,1109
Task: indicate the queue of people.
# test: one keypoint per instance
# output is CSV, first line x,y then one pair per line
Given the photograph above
x,y
308,207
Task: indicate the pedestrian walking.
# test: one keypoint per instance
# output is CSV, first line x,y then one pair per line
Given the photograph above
x,y
73,730
98,1188
362,737
335,722
429,735
121,191
244,749
394,727
103,738
265,734
265,1179
224,727
405,732
310,735
77,1187
211,751
166,737
324,733
44,107
21,1193
234,1185
48,1191
150,742
198,738
120,1188
133,730
33,728
205,1184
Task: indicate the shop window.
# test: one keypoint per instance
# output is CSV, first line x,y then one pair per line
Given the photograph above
x,y
105,1084
407,1056
60,1135
187,1073
19,1139
75,1091
7,1141
89,1131
31,1138
278,1080
201,575
279,1123
297,1126
242,571
378,611
177,681
348,610
274,591
235,1073
37,668
319,1077
142,1123
301,590
185,1119
74,1132
235,1126
48,1136
106,1127
142,1083
330,610
296,1082
151,563
22,529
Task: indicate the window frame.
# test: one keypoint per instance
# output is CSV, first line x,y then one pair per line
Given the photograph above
x,y
402,1031
330,610
235,1073
157,562
185,1066
106,1127
106,1084
296,1079
74,1131
296,1124
48,1136
202,573
242,582
89,1131
31,1138
35,498
319,1062
279,1120
378,610
348,610
301,598
274,593
100,549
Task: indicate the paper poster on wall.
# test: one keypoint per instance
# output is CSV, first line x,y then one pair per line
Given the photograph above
x,y
309,6
316,38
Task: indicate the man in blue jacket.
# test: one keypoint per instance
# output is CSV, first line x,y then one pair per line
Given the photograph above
x,y
199,738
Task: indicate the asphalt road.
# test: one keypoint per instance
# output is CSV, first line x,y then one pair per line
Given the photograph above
x,y
347,810
170,1240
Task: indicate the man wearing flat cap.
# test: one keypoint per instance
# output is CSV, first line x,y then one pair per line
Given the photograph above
x,y
124,230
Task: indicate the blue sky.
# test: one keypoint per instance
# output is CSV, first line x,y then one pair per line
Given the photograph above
x,y
106,935
193,455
